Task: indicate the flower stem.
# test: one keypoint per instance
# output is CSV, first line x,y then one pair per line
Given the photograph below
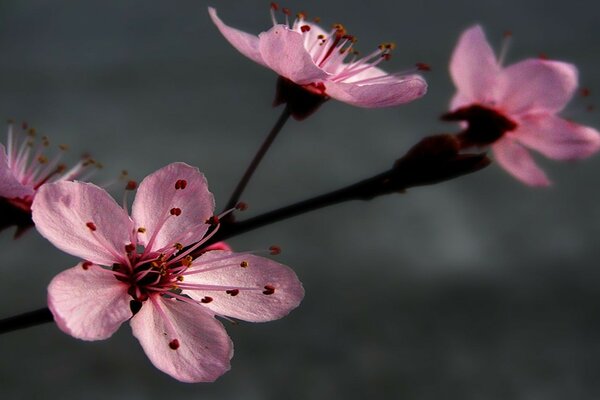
x,y
26,320
237,193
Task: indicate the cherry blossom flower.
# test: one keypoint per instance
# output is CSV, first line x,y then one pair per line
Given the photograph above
x,y
140,269
513,108
315,59
24,167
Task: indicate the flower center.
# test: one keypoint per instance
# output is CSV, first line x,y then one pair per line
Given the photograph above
x,y
485,125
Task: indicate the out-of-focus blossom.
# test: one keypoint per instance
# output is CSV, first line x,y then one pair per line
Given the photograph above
x,y
325,62
514,108
140,269
25,167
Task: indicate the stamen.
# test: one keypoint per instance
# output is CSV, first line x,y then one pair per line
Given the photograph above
x,y
504,48
175,211
305,28
141,229
206,299
423,66
241,206
86,265
91,226
233,292
244,264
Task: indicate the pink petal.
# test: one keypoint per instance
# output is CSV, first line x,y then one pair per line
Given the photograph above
x,y
245,43
387,93
204,349
88,304
10,187
283,51
248,305
82,220
159,197
518,162
536,85
473,66
557,138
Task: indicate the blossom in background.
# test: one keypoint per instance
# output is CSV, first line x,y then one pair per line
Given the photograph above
x,y
315,59
516,107
139,268
24,167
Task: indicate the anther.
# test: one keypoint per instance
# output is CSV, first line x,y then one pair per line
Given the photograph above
x,y
180,278
178,246
274,6
86,265
130,248
131,185
174,344
91,226
244,264
275,250
269,289
175,211
305,28
187,261
386,56
42,159
585,92
206,299
423,66
301,15
286,11
180,184
233,292
241,206
214,220
141,229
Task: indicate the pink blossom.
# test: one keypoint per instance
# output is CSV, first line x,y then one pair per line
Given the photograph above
x,y
518,106
24,167
140,269
315,59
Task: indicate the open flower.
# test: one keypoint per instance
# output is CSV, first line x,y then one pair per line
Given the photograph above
x,y
315,59
516,107
139,268
24,167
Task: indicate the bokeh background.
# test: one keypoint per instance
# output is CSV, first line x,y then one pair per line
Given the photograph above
x,y
478,288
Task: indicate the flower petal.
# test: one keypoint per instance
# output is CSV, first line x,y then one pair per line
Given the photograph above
x,y
10,187
245,43
88,304
82,220
473,66
515,159
385,93
283,51
204,349
557,138
536,85
173,212
258,272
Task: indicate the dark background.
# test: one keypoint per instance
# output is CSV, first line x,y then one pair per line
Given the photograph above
x,y
478,288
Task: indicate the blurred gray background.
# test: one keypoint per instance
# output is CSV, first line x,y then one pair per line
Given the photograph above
x,y
478,288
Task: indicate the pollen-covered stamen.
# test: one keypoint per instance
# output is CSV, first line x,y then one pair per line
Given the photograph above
x,y
86,265
171,333
175,211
